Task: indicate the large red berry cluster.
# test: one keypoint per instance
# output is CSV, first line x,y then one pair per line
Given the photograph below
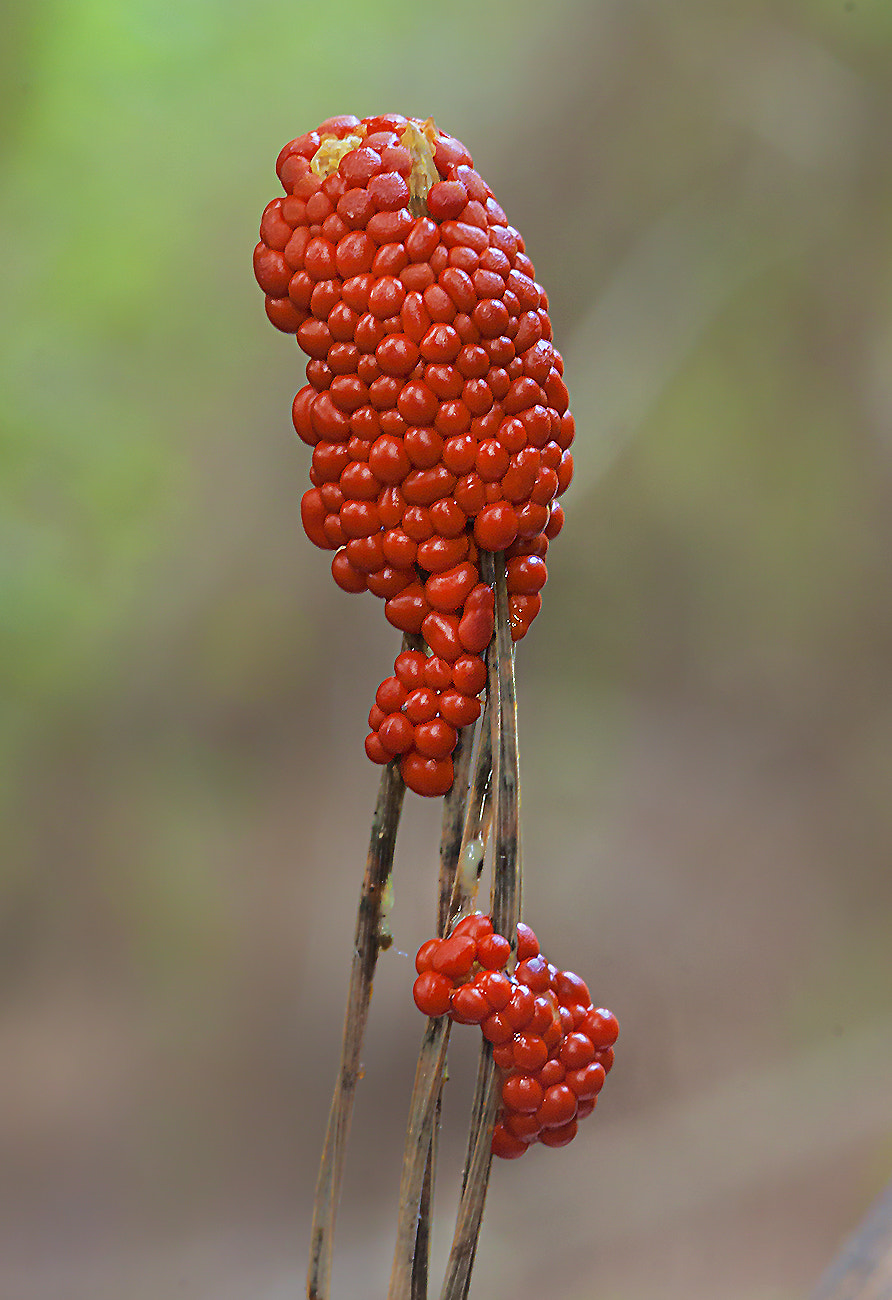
x,y
553,1046
435,404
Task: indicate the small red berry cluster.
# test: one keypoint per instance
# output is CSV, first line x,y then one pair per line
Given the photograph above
x,y
552,1045
435,403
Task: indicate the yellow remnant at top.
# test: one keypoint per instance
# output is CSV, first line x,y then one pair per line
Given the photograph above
x,y
328,156
424,174
420,142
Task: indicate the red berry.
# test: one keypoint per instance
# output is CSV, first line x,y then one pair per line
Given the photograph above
x,y
533,971
530,1052
601,1027
496,1029
459,709
559,1137
522,1093
409,609
469,1006
345,575
432,992
425,955
587,1081
469,676
375,750
525,1127
552,1072
558,1106
455,955
572,989
527,943
545,1013
519,1011
506,1145
447,591
495,527
435,739
427,776
576,1051
397,733
496,988
605,1057
502,1055
493,951
475,924
475,629
391,695
441,633
552,1034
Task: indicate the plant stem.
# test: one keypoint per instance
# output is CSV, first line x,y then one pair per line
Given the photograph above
x,y
450,851
462,857
379,865
506,894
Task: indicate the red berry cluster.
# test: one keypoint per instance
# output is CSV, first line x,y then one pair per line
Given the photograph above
x,y
552,1045
435,404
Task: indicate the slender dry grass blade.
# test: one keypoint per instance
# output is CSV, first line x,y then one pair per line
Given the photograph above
x,y
365,956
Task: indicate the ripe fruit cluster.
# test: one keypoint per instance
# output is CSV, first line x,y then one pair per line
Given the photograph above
x,y
435,403
553,1046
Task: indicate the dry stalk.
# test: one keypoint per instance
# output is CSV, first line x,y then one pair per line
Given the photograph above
x,y
462,858
365,956
506,895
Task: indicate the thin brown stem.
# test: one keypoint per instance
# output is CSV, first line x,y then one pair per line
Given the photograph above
x,y
506,895
467,853
454,811
450,852
367,943
419,1135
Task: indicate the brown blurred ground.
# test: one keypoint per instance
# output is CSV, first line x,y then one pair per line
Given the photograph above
x,y
705,702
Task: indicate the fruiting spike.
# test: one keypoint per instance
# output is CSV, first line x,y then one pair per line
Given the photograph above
x,y
435,403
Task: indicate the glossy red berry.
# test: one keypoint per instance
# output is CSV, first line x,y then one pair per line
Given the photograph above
x,y
527,943
425,955
601,1027
475,924
493,951
469,1006
455,955
558,1106
496,988
523,1093
432,992
559,1137
506,1145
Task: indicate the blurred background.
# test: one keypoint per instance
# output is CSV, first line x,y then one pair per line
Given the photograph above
x,y
705,702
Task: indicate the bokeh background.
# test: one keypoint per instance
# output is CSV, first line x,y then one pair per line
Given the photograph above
x,y
705,702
